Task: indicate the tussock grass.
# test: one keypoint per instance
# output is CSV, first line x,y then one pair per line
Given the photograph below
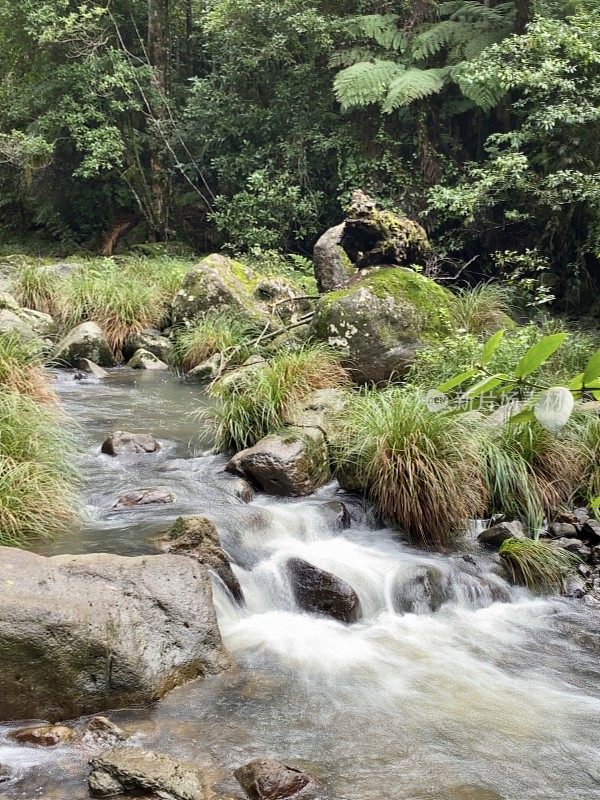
x,y
21,369
483,309
38,287
422,469
258,401
212,335
537,564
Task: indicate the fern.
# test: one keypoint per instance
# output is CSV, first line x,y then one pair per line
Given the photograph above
x,y
365,83
381,28
484,94
411,85
430,41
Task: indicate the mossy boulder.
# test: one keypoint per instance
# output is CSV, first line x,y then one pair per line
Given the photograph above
x,y
333,268
144,359
215,285
380,321
84,341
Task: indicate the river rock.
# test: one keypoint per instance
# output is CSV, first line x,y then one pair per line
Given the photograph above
x,y
6,773
558,530
494,536
144,359
338,515
575,546
267,779
151,340
129,769
380,321
333,268
207,371
89,368
81,634
144,497
419,589
44,735
321,592
123,443
217,284
84,341
26,323
100,730
322,409
590,531
198,538
291,463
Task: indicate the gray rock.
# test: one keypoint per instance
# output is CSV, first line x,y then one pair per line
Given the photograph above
x,y
6,774
267,779
291,463
87,366
26,323
84,341
321,592
81,634
100,730
43,735
151,340
333,268
338,515
144,359
123,443
129,769
144,497
323,409
494,536
560,529
198,538
590,531
206,371
575,546
419,590
7,300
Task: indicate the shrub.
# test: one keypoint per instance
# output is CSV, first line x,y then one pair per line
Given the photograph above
x,y
484,309
423,470
212,335
537,564
257,402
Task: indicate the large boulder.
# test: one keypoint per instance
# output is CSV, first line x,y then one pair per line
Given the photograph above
x,y
124,443
26,323
267,779
198,538
151,340
333,268
130,769
419,589
84,341
216,284
291,463
144,359
80,634
321,592
382,320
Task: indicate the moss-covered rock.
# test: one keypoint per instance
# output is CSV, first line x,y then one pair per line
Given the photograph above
x,y
144,359
381,320
84,341
216,284
333,267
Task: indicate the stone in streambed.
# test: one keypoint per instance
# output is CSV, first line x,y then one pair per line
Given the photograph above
x,y
144,497
267,779
206,371
321,592
84,341
100,730
493,537
26,323
198,538
144,359
123,443
418,590
82,634
6,773
128,769
89,368
43,735
152,341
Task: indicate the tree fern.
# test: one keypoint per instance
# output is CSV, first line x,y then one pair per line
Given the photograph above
x,y
381,28
411,85
365,83
433,39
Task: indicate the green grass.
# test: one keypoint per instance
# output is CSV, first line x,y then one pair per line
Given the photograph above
x,y
483,309
21,368
537,564
212,335
422,469
257,401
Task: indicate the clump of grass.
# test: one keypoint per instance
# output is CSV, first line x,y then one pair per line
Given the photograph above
x,y
37,287
536,564
422,469
212,335
21,368
483,309
259,401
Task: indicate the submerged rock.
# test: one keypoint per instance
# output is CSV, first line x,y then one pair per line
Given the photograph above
x,y
122,443
144,359
267,779
381,320
6,773
291,463
144,497
90,368
43,735
84,341
321,592
418,590
497,534
81,634
198,538
128,769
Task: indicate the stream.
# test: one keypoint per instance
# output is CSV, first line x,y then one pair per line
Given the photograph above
x,y
494,696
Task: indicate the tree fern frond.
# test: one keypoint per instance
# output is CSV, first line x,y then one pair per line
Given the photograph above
x,y
365,83
411,85
478,43
484,94
351,55
382,28
474,11
433,39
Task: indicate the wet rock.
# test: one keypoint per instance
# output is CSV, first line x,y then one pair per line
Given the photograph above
x,y
81,634
595,554
127,769
152,341
44,735
144,497
198,538
267,779
144,359
575,586
89,368
494,536
321,592
291,463
557,530
333,268
573,546
206,371
84,341
242,490
100,730
590,531
6,773
418,590
338,514
123,443
381,320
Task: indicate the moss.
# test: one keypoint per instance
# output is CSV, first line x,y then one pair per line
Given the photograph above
x,y
347,265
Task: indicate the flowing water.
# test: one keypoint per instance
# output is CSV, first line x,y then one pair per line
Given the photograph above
x,y
494,695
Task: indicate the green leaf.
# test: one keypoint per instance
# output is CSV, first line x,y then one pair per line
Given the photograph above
x,y
592,369
576,383
489,383
539,354
457,380
595,502
490,347
525,415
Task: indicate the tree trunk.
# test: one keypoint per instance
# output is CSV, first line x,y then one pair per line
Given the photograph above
x,y
525,11
158,37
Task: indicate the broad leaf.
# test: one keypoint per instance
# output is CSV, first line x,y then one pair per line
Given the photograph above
x,y
592,369
491,346
576,383
539,354
525,415
489,383
457,380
